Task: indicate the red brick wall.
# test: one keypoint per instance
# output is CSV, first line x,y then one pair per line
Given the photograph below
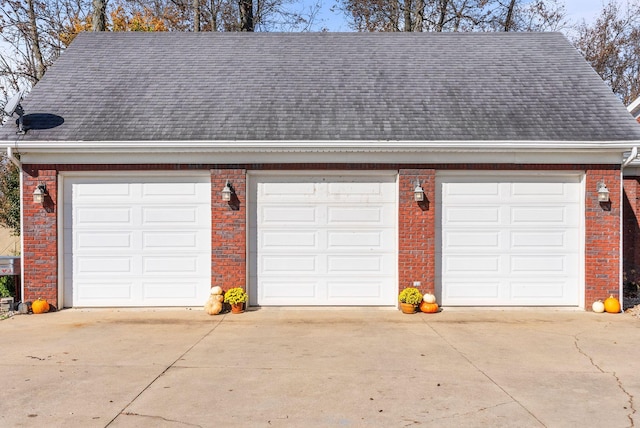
x,y
40,238
602,237
228,230
416,230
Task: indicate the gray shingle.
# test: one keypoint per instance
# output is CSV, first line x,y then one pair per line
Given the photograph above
x,y
325,86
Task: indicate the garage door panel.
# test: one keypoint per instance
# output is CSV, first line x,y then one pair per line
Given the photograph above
x,y
360,289
288,291
289,263
535,290
471,240
102,293
103,265
173,265
471,263
471,290
529,240
288,215
356,265
552,192
352,190
91,192
521,249
545,216
172,240
348,215
463,191
471,215
89,240
170,216
290,240
346,239
160,191
85,216
542,264
287,190
167,291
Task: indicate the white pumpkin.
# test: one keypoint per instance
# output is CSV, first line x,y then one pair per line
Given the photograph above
x,y
598,307
216,290
429,298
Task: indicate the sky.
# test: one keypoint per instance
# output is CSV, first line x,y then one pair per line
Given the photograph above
x,y
577,10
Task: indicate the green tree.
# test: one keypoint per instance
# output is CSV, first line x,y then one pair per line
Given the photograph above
x,y
10,196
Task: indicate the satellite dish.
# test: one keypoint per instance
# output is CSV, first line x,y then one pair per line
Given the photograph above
x,y
13,104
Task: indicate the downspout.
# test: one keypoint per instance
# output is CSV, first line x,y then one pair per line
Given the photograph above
x,y
631,158
17,163
625,163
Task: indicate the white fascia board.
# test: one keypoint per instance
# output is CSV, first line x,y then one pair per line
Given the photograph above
x,y
128,152
313,145
634,108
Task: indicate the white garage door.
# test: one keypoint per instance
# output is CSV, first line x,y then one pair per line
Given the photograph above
x,y
323,240
137,241
510,240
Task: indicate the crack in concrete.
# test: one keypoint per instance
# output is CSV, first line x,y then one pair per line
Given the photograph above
x,y
630,397
154,380
463,355
161,418
476,411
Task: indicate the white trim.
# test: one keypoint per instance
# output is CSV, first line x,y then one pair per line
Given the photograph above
x,y
60,232
634,108
509,173
138,173
181,146
327,172
425,156
621,243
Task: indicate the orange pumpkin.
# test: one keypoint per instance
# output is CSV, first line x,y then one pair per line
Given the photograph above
x,y
40,306
429,308
612,305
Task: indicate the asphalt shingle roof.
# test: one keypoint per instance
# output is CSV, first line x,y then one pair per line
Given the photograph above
x,y
323,86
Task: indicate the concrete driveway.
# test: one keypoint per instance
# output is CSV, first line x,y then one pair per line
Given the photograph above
x,y
320,367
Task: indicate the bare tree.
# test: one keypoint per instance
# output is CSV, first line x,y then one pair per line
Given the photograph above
x,y
612,46
33,34
454,15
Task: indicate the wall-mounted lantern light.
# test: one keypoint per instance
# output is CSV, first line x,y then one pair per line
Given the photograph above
x,y
603,192
226,192
40,193
418,193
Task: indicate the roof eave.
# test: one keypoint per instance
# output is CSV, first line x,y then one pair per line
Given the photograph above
x,y
325,152
44,146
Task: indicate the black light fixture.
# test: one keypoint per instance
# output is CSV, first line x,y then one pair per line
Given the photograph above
x,y
418,192
603,192
39,193
226,192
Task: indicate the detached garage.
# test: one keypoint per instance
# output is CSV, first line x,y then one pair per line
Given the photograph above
x,y
352,165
